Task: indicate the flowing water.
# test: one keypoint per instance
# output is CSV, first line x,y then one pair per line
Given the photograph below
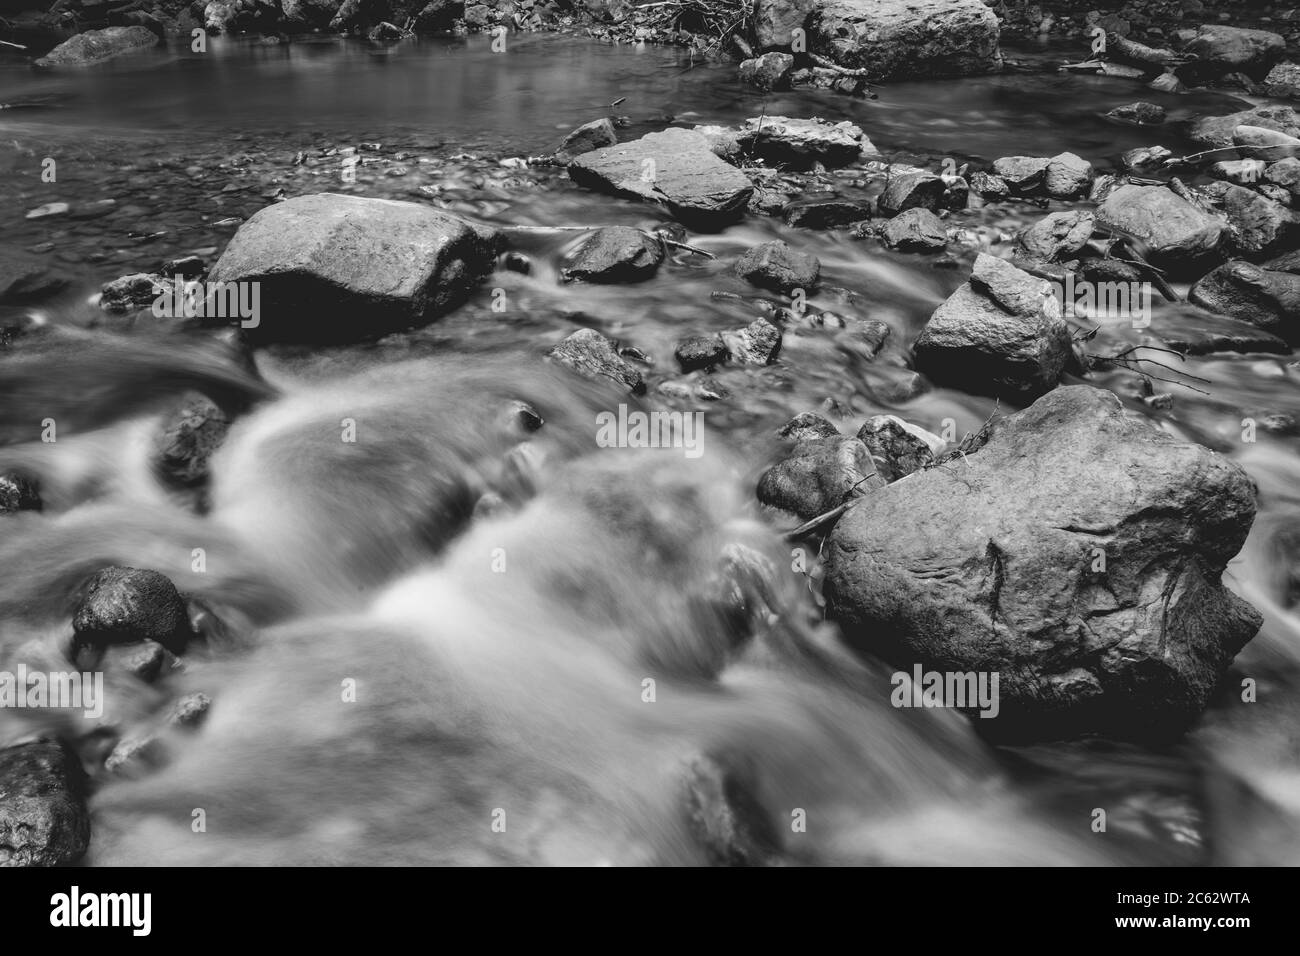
x,y
499,661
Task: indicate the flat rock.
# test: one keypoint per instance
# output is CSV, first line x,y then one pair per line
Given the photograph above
x,y
911,191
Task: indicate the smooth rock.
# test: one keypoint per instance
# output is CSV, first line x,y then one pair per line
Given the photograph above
x,y
615,254
123,605
598,134
1177,235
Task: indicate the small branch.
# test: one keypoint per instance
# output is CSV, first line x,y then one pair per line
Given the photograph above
x,y
810,526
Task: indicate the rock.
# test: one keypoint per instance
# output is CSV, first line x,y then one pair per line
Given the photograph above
x,y
808,426
1022,174
700,351
186,267
187,441
136,756
25,279
1078,556
1283,81
598,134
1176,235
675,167
824,213
18,493
800,143
190,710
776,20
724,814
1001,333
823,78
1218,130
1194,332
1139,159
1260,226
48,209
1067,176
387,31
1241,290
439,16
898,448
915,230
771,71
478,15
1143,113
44,820
895,39
1284,173
123,605
302,15
775,266
1259,142
1239,170
912,191
136,291
820,474
98,46
589,353
988,186
758,343
1222,49
143,660
1287,262
1167,83
331,268
615,254
1057,236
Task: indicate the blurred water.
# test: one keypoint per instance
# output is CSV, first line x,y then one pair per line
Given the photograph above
x,y
522,690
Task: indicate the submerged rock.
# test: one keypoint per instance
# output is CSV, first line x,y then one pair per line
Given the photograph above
x,y
999,334
775,266
44,820
758,343
124,605
912,191
330,268
615,254
97,46
1077,555
589,353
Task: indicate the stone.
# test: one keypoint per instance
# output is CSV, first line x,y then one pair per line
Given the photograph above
x,y
807,426
915,230
26,279
44,820
1240,171
187,441
1057,236
598,134
819,475
768,72
98,46
758,343
590,354
1176,235
143,660
1259,142
1259,226
1022,174
1244,291
824,213
1142,113
136,291
18,493
801,143
775,266
898,448
700,352
1077,554
990,187
615,254
123,605
1067,176
1283,81
912,191
1217,130
1221,49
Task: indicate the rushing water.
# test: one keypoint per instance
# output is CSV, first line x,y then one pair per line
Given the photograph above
x,y
521,690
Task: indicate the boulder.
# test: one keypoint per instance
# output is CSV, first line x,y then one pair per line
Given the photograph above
x,y
1022,174
700,352
1218,130
898,448
775,266
44,820
989,186
911,191
1264,298
1057,236
1174,234
303,15
1221,49
97,46
819,475
331,268
590,354
1260,142
1259,226
1077,555
824,213
758,343
915,230
187,441
1067,176
799,143
896,39
771,71
1284,173
675,167
1283,81
806,426
1001,333
615,254
598,134
774,22
1195,332
124,605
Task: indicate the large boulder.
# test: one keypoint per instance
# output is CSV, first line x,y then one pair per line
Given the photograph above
x,y
892,39
1171,231
43,816
675,167
334,268
96,46
1077,555
1221,49
1001,333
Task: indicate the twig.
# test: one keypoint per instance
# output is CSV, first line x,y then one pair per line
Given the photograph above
x,y
809,526
648,235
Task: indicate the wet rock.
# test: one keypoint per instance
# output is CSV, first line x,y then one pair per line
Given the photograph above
x,y
187,267
187,441
823,78
700,351
1177,235
758,343
892,39
1218,130
1140,159
800,143
98,46
302,15
124,605
771,71
1244,291
331,268
1257,142
819,475
675,167
725,816
1221,49
44,820
989,186
775,266
1001,333
48,209
915,230
190,710
387,31
1239,171
1022,174
439,16
807,426
136,291
1067,176
521,416
916,190
18,493
1057,236
824,213
26,279
589,353
1167,83
598,134
1197,333
136,756
478,15
143,660
1141,112
615,254
776,20
1259,226
1283,81
517,262
1077,555
1284,173
898,448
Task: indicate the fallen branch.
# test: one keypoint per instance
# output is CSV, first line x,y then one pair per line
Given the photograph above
x,y
808,527
648,235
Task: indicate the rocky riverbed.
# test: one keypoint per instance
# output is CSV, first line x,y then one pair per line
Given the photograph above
x,y
608,468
